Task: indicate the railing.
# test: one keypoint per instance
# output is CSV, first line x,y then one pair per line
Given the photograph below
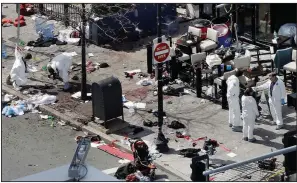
x,y
70,14
249,170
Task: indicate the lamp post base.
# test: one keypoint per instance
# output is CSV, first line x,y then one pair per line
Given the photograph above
x,y
161,143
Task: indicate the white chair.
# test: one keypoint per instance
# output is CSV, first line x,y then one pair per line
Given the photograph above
x,y
290,67
194,31
211,40
242,62
197,58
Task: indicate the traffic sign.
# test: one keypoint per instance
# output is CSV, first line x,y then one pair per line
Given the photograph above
x,y
161,52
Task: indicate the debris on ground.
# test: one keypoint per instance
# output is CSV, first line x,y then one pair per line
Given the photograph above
x,y
149,123
124,161
176,125
90,54
42,99
62,123
103,65
17,108
75,78
135,105
189,152
77,95
8,98
144,82
90,66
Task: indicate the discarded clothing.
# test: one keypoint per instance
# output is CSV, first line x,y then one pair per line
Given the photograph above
x,y
103,65
189,152
124,170
149,123
176,125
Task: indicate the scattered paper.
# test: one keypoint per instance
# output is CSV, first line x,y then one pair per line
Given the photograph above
x,y
123,161
231,154
62,123
70,53
8,98
44,116
134,71
140,105
78,95
90,54
28,48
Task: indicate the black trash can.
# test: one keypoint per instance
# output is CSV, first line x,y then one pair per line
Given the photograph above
x,y
107,99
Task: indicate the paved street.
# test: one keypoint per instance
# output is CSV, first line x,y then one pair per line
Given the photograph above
x,y
30,145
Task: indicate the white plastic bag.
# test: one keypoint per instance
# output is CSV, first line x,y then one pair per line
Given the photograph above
x,y
17,72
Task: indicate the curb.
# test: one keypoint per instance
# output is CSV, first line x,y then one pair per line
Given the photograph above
x,y
108,139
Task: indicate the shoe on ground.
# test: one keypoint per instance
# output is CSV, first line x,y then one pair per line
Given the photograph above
x,y
279,127
236,129
230,125
245,138
252,140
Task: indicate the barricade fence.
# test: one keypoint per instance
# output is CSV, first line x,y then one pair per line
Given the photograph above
x,y
268,167
70,14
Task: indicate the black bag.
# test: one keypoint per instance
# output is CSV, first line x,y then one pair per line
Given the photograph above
x,y
125,170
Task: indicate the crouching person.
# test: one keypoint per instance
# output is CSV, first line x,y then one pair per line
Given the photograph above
x,y
249,114
59,67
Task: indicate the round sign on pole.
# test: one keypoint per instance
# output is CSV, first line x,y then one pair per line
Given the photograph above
x,y
161,52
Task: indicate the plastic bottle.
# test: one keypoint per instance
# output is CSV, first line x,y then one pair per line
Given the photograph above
x,y
4,53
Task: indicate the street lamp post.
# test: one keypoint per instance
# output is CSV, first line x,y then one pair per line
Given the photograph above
x,y
161,141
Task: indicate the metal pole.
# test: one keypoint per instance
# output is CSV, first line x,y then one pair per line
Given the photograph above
x,y
234,165
18,30
83,57
159,70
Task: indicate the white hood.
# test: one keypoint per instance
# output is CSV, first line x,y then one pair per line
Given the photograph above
x,y
249,107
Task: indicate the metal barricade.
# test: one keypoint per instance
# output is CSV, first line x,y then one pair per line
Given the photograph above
x,y
249,170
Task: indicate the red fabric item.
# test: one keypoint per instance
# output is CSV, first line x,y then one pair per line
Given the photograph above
x,y
22,23
116,152
6,21
21,17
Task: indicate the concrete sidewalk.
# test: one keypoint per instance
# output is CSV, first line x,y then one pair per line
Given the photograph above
x,y
201,117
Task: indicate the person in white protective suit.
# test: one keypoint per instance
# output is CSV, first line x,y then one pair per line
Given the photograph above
x,y
277,96
59,67
233,90
19,71
249,114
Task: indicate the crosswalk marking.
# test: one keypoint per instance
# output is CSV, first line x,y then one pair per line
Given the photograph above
x,y
110,171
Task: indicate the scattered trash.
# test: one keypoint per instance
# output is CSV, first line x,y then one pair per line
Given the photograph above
x,y
32,165
144,82
124,161
16,109
5,6
26,92
133,71
231,154
137,130
62,123
176,125
134,105
90,67
72,54
103,65
169,102
124,99
77,128
78,95
149,123
8,98
28,48
44,116
90,54
189,152
247,177
40,99
75,78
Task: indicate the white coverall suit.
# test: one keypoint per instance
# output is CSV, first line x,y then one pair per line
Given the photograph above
x,y
249,115
278,93
61,64
233,101
18,73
